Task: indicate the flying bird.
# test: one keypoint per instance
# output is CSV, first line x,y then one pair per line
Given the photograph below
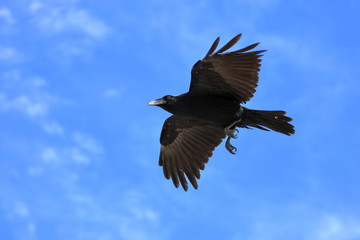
x,y
211,111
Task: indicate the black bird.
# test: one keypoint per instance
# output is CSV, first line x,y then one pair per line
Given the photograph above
x,y
211,110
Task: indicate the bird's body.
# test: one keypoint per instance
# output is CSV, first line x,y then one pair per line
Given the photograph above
x,y
214,109
211,110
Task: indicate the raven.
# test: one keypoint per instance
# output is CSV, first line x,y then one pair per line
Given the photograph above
x,y
211,110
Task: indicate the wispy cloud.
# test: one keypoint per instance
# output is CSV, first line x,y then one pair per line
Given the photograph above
x,y
133,219
75,30
21,209
257,4
50,155
35,6
66,18
29,95
64,155
26,95
332,227
113,93
7,16
141,221
87,143
304,53
10,54
52,127
78,156
24,104
80,149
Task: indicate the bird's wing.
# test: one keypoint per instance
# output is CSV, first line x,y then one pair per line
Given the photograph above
x,y
186,145
232,74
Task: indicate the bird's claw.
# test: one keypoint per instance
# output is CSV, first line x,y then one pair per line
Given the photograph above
x,y
231,133
229,146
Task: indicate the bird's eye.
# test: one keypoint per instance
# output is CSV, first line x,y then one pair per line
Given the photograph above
x,y
167,97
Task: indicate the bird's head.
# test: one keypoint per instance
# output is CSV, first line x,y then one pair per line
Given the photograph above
x,y
167,103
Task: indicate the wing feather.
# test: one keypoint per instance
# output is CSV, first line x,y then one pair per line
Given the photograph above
x,y
186,145
213,46
231,43
231,74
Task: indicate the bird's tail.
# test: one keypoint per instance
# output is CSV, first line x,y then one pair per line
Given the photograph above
x,y
265,120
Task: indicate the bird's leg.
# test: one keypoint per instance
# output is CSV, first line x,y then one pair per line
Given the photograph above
x,y
231,132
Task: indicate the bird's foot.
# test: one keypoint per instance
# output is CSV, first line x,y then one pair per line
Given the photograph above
x,y
232,133
229,146
231,130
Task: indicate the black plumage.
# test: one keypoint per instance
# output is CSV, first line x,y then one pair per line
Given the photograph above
x,y
211,110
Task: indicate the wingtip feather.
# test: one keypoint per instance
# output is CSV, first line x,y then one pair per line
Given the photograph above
x,y
231,43
213,47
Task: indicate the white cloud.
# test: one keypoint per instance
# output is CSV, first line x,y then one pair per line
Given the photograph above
x,y
301,52
34,7
35,171
28,96
129,218
9,54
31,227
87,143
139,216
25,104
88,24
144,214
82,199
78,156
63,155
50,155
112,93
59,19
77,47
53,127
12,75
128,232
21,210
38,82
333,227
79,28
6,15
259,4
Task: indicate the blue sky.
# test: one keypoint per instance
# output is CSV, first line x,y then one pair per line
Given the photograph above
x,y
79,146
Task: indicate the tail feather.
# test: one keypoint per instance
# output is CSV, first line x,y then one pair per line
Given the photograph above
x,y
265,120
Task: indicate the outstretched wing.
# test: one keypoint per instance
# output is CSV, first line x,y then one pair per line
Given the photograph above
x,y
232,74
186,145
